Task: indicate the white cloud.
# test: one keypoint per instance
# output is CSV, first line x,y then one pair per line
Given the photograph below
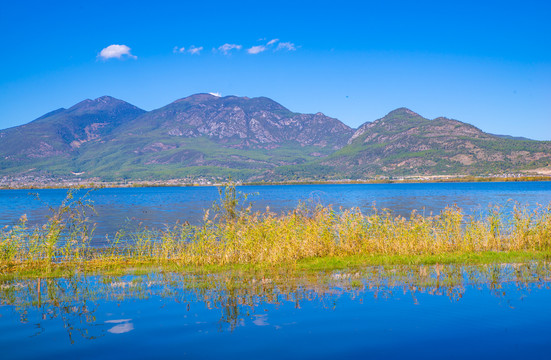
x,y
289,46
195,50
256,49
226,48
217,94
116,51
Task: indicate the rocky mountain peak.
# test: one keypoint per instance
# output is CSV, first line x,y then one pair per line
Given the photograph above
x,y
402,114
82,104
395,121
103,103
403,110
107,100
241,122
197,98
257,137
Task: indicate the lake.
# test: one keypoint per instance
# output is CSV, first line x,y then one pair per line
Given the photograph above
x,y
160,206
428,312
492,311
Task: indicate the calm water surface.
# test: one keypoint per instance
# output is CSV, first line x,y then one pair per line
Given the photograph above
x,y
419,312
158,207
337,315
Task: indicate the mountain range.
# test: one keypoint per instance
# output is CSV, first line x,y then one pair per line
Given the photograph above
x,y
207,136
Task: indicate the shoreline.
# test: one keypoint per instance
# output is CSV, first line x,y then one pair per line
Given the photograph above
x,y
233,237
177,183
128,266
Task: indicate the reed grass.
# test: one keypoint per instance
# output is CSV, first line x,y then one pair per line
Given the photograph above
x,y
231,234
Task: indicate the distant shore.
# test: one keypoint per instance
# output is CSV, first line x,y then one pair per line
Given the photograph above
x,y
78,183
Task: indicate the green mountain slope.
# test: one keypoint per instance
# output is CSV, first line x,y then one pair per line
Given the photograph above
x,y
252,139
405,143
201,135
204,135
54,140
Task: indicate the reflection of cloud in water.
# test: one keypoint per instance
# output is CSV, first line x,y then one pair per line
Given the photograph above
x,y
124,326
261,320
239,295
118,321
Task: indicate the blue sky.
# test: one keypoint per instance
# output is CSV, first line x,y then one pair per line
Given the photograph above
x,y
483,62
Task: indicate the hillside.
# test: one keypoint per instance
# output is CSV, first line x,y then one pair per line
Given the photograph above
x,y
60,132
198,136
53,141
405,143
206,136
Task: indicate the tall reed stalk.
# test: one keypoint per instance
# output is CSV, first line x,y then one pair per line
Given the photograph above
x,y
232,234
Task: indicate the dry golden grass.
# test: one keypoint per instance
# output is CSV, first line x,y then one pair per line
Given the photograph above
x,y
235,235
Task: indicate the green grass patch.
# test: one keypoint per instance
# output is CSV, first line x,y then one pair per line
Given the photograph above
x,y
310,236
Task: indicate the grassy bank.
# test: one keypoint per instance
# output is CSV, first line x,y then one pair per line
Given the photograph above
x,y
308,237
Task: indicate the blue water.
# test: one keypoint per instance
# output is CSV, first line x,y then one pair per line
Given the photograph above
x,y
149,317
165,320
157,207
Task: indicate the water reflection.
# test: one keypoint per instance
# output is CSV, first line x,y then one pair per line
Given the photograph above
x,y
124,326
240,298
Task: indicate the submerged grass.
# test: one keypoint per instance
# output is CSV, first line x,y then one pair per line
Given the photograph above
x,y
308,237
241,294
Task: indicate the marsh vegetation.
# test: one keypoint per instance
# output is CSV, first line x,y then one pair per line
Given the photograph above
x,y
310,235
241,269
